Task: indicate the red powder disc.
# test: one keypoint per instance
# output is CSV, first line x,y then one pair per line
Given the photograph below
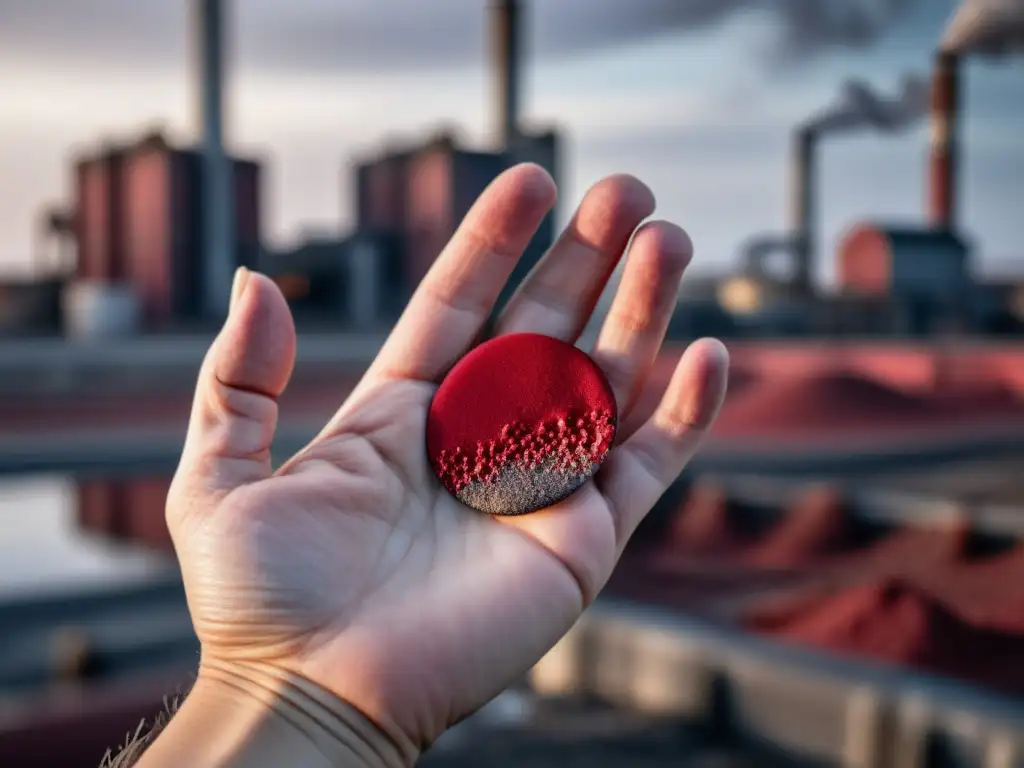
x,y
520,423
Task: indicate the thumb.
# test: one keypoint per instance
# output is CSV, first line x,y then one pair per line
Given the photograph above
x,y
234,413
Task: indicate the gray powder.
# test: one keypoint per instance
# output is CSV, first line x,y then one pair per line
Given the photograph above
x,y
518,490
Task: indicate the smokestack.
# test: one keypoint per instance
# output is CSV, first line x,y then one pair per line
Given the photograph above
x,y
506,20
804,172
363,284
942,185
217,249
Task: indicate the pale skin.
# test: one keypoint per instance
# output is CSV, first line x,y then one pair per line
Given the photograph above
x,y
348,608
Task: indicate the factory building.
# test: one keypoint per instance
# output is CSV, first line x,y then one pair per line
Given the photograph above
x,y
30,307
409,202
348,281
926,271
138,221
148,224
99,219
421,194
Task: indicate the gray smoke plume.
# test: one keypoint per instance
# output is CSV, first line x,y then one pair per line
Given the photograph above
x,y
991,27
860,106
448,32
807,26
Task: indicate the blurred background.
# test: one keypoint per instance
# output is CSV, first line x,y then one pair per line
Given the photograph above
x,y
837,580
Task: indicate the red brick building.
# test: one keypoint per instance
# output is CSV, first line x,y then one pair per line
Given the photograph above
x,y
138,221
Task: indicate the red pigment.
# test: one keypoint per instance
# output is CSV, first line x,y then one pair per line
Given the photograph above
x,y
520,398
896,622
816,526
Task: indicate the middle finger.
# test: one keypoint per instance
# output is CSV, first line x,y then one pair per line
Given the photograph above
x,y
560,292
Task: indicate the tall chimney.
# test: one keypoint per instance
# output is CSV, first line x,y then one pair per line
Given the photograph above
x,y
218,218
804,173
506,20
942,184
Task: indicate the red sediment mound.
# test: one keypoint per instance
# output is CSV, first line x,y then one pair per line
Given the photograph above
x,y
816,526
979,398
695,585
990,592
911,552
703,526
822,403
774,612
896,622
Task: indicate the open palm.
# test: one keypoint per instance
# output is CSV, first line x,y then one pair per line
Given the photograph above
x,y
351,566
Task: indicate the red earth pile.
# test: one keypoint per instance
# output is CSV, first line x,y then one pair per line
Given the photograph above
x,y
822,404
989,592
912,552
704,525
913,596
977,398
896,622
694,567
815,527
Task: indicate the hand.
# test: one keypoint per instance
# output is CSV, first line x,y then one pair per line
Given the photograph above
x,y
350,567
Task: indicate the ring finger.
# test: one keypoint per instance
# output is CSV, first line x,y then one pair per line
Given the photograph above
x,y
635,326
558,296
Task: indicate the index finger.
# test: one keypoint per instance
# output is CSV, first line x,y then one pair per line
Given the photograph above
x,y
454,300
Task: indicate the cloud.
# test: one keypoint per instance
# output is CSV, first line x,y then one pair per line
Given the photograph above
x,y
353,35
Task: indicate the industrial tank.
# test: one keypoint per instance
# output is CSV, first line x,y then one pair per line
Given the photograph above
x,y
99,310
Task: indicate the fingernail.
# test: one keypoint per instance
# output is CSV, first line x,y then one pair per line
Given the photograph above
x,y
242,276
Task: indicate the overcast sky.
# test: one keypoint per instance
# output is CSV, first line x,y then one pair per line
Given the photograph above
x,y
697,97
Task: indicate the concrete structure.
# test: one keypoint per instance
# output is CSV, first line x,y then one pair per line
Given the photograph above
x,y
99,310
137,393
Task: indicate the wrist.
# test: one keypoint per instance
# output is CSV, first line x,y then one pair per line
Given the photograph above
x,y
252,714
